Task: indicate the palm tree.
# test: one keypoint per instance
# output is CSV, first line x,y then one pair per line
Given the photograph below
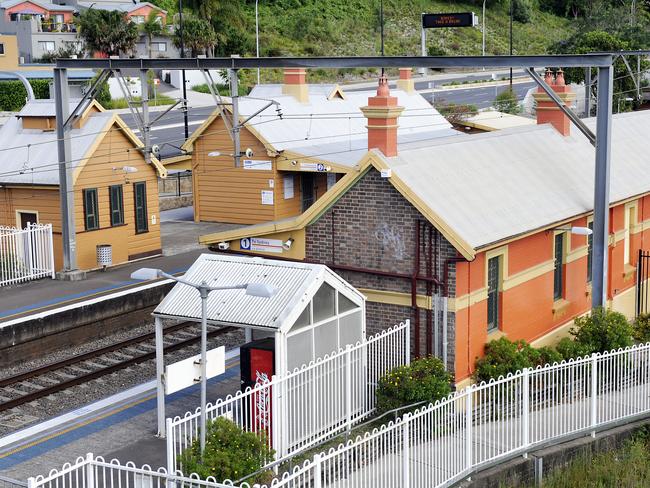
x,y
107,32
152,27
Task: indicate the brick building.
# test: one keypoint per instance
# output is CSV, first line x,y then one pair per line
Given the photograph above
x,y
483,221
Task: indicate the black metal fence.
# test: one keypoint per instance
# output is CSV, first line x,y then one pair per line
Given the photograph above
x,y
642,276
176,184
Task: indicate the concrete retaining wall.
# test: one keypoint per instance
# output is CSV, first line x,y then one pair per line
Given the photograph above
x,y
523,472
33,338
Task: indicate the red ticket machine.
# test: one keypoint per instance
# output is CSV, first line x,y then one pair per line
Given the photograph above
x,y
257,366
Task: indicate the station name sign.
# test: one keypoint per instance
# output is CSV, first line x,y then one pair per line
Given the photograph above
x,y
437,21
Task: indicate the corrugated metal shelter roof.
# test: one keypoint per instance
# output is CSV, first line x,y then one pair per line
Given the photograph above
x,y
494,186
295,282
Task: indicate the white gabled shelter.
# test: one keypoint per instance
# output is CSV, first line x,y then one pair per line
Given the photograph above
x,y
313,312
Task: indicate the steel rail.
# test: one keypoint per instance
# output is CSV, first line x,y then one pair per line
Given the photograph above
x,y
15,402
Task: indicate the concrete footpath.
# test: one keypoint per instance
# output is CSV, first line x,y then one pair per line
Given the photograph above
x,y
125,432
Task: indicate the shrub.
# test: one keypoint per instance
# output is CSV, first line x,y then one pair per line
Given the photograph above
x,y
230,453
424,380
13,93
503,356
506,102
568,349
457,113
602,331
522,11
641,328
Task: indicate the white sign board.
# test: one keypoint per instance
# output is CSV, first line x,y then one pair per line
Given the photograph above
x,y
267,197
187,372
257,244
313,167
287,183
257,164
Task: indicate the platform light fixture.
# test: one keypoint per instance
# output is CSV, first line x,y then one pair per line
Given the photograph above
x,y
262,290
579,231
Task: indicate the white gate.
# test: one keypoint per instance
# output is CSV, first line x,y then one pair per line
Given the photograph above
x,y
26,254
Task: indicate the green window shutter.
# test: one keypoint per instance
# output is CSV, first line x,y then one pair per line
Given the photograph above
x,y
117,204
140,196
91,212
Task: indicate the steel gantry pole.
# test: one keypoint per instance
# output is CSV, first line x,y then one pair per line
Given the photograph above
x,y
234,95
146,126
66,193
601,192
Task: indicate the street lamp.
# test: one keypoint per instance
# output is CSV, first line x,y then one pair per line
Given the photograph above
x,y
483,50
180,27
263,290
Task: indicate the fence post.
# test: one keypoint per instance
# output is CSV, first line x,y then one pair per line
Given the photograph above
x,y
30,249
31,482
407,346
51,249
525,409
348,387
90,471
317,471
594,394
406,466
276,416
468,427
171,446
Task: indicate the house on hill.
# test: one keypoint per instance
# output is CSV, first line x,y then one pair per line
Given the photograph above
x,y
303,144
481,222
115,190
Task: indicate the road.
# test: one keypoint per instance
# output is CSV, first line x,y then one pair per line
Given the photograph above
x,y
168,131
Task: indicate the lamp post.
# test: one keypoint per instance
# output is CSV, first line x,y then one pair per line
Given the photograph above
x,y
180,28
511,7
257,38
252,289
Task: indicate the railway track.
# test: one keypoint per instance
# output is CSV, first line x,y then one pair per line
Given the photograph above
x,y
58,376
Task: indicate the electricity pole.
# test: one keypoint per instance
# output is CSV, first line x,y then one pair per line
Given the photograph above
x,y
511,2
180,28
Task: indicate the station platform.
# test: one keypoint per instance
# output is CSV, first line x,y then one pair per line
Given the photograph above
x,y
125,430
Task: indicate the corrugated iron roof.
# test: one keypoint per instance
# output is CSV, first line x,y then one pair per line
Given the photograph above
x,y
292,279
493,186
334,129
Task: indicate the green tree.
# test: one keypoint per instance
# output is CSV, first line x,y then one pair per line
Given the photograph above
x,y
107,32
198,35
599,41
522,11
103,95
603,330
151,27
507,102
233,35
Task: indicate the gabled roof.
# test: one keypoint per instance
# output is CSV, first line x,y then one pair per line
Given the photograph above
x,y
328,127
485,189
295,284
46,5
29,156
120,6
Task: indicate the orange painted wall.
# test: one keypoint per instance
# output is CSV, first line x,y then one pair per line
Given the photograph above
x,y
527,309
145,10
67,16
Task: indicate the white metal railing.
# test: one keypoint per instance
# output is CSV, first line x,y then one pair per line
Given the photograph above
x,y
485,424
26,254
310,404
445,442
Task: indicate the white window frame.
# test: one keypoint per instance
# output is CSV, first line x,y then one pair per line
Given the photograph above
x,y
43,46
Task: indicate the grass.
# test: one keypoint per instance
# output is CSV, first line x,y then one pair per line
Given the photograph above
x,y
627,467
159,100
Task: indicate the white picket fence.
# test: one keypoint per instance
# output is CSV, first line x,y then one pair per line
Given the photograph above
x,y
26,254
443,443
310,404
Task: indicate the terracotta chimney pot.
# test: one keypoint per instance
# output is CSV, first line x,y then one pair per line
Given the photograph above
x,y
382,113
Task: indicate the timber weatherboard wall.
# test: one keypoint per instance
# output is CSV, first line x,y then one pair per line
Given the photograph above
x,y
114,149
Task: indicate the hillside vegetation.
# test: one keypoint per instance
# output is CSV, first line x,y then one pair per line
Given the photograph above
x,y
351,27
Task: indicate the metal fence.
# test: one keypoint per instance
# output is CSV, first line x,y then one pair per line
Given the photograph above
x,y
304,407
6,482
26,254
443,443
176,184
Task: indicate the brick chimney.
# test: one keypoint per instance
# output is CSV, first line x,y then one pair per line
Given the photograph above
x,y
405,82
382,112
295,84
547,111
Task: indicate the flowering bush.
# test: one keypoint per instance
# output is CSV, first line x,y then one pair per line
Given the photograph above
x,y
503,356
424,380
602,331
230,453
